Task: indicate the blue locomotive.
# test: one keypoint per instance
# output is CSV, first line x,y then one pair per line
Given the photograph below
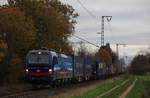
x,y
50,67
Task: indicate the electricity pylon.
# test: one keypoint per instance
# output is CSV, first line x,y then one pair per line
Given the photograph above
x,y
102,27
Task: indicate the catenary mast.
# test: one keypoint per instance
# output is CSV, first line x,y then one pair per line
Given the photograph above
x,y
102,28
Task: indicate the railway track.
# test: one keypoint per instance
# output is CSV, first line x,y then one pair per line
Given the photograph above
x,y
48,92
18,95
44,93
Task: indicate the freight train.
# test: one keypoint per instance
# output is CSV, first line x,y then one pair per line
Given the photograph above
x,y
53,68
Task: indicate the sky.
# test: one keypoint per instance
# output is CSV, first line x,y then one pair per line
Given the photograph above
x,y
130,23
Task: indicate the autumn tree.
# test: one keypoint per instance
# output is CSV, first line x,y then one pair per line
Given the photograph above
x,y
104,54
107,56
141,63
20,33
53,20
32,24
137,65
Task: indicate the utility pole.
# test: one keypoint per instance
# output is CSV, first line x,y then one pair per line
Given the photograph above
x,y
102,27
117,50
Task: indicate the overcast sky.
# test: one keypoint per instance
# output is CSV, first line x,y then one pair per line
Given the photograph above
x,y
130,23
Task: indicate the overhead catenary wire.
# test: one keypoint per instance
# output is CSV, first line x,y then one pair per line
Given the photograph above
x,y
88,11
86,41
93,16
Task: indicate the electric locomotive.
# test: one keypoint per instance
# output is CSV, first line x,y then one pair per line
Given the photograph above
x,y
53,68
50,67
39,66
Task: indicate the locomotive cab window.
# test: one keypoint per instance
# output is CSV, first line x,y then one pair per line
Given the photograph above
x,y
38,58
55,61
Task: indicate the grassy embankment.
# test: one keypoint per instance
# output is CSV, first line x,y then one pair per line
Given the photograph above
x,y
117,92
141,88
101,89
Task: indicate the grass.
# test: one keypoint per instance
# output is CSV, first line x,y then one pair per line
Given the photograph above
x,y
141,88
100,89
137,90
146,93
117,92
143,78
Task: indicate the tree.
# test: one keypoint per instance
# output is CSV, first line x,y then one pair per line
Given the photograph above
x,y
103,56
141,63
107,56
53,20
19,30
20,33
137,65
32,24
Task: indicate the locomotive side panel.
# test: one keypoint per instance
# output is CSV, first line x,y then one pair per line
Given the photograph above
x,y
64,68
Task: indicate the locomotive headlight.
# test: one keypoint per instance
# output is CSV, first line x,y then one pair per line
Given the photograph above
x,y
50,70
27,70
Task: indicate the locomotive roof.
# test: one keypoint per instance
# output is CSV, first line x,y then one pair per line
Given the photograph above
x,y
52,52
39,51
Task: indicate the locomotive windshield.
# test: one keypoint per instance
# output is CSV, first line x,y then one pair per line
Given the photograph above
x,y
38,58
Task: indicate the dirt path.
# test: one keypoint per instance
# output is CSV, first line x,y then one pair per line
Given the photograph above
x,y
112,89
125,93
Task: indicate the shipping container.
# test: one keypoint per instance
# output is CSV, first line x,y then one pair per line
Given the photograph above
x,y
78,66
87,67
